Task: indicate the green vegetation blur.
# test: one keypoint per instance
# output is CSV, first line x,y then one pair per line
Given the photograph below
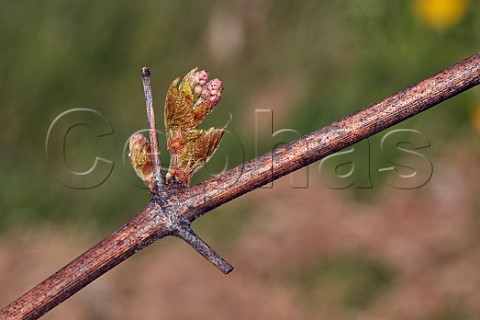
x,y
311,62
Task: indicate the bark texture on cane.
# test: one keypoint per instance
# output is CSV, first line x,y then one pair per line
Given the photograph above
x,y
142,230
332,138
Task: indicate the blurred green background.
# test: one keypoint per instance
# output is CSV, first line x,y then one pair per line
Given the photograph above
x,y
311,62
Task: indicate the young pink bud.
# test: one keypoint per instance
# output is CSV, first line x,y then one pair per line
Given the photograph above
x,y
193,83
212,93
200,77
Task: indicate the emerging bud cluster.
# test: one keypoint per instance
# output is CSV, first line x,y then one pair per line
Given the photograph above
x,y
188,101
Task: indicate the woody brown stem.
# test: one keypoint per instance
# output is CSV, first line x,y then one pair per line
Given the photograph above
x,y
157,166
204,249
145,228
161,218
332,138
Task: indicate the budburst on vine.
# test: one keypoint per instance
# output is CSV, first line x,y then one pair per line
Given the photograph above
x,y
140,156
189,100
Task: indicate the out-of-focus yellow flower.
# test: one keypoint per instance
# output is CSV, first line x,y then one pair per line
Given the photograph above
x,y
441,14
